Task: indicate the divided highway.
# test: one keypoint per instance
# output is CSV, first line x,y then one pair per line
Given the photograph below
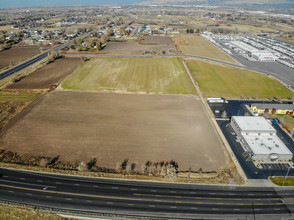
x,y
138,198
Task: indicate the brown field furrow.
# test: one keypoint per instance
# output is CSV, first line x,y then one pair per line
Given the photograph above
x,y
48,75
113,127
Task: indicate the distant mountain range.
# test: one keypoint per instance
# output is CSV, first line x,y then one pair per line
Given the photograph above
x,y
262,3
256,3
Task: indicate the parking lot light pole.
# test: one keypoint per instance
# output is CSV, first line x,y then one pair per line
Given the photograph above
x,y
287,174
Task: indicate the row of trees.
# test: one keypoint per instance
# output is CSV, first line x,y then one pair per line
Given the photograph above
x,y
168,169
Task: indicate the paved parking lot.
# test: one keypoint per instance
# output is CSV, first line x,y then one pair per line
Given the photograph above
x,y
251,171
238,108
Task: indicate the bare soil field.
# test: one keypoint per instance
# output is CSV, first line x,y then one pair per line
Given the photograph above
x,y
133,48
157,40
48,75
114,127
17,54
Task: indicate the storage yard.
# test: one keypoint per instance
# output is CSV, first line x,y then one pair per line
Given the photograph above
x,y
114,127
136,75
255,48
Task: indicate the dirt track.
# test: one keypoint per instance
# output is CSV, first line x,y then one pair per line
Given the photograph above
x,y
133,48
48,75
113,127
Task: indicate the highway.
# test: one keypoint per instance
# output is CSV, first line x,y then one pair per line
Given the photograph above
x,y
138,198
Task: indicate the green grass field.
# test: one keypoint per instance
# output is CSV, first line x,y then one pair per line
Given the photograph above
x,y
193,44
147,75
17,96
230,82
280,181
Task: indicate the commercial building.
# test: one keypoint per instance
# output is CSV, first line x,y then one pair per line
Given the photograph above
x,y
258,137
273,108
250,51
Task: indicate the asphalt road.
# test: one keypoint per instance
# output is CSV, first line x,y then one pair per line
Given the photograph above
x,y
140,198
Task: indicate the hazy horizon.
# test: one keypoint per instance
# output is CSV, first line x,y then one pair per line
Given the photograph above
x,y
36,3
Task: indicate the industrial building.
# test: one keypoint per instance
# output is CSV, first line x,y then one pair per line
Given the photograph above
x,y
273,108
259,139
250,51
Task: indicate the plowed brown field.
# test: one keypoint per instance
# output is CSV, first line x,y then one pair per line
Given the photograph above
x,y
112,127
48,75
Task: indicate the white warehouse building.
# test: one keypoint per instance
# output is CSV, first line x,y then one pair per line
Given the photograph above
x,y
258,137
260,55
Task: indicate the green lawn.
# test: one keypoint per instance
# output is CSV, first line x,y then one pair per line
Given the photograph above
x,y
230,82
147,75
17,96
280,181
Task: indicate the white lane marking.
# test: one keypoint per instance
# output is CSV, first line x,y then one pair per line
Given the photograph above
x,y
211,193
29,194
114,187
173,207
88,201
49,196
68,198
257,209
131,204
22,178
109,203
194,208
5,176
134,189
172,191
232,194
214,209
153,190
269,194
151,206
237,209
276,209
58,182
192,193
250,194
30,184
76,184
96,186
10,191
40,181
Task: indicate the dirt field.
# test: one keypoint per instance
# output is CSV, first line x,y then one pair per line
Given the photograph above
x,y
144,75
157,40
133,48
193,44
113,127
48,75
17,54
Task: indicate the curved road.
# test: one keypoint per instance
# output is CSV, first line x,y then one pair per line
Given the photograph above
x,y
138,198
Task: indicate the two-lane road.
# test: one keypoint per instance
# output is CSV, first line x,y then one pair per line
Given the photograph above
x,y
140,198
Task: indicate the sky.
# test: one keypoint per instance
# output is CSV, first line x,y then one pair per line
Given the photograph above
x,y
28,3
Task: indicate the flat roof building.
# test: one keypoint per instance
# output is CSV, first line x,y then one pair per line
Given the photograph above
x,y
258,138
